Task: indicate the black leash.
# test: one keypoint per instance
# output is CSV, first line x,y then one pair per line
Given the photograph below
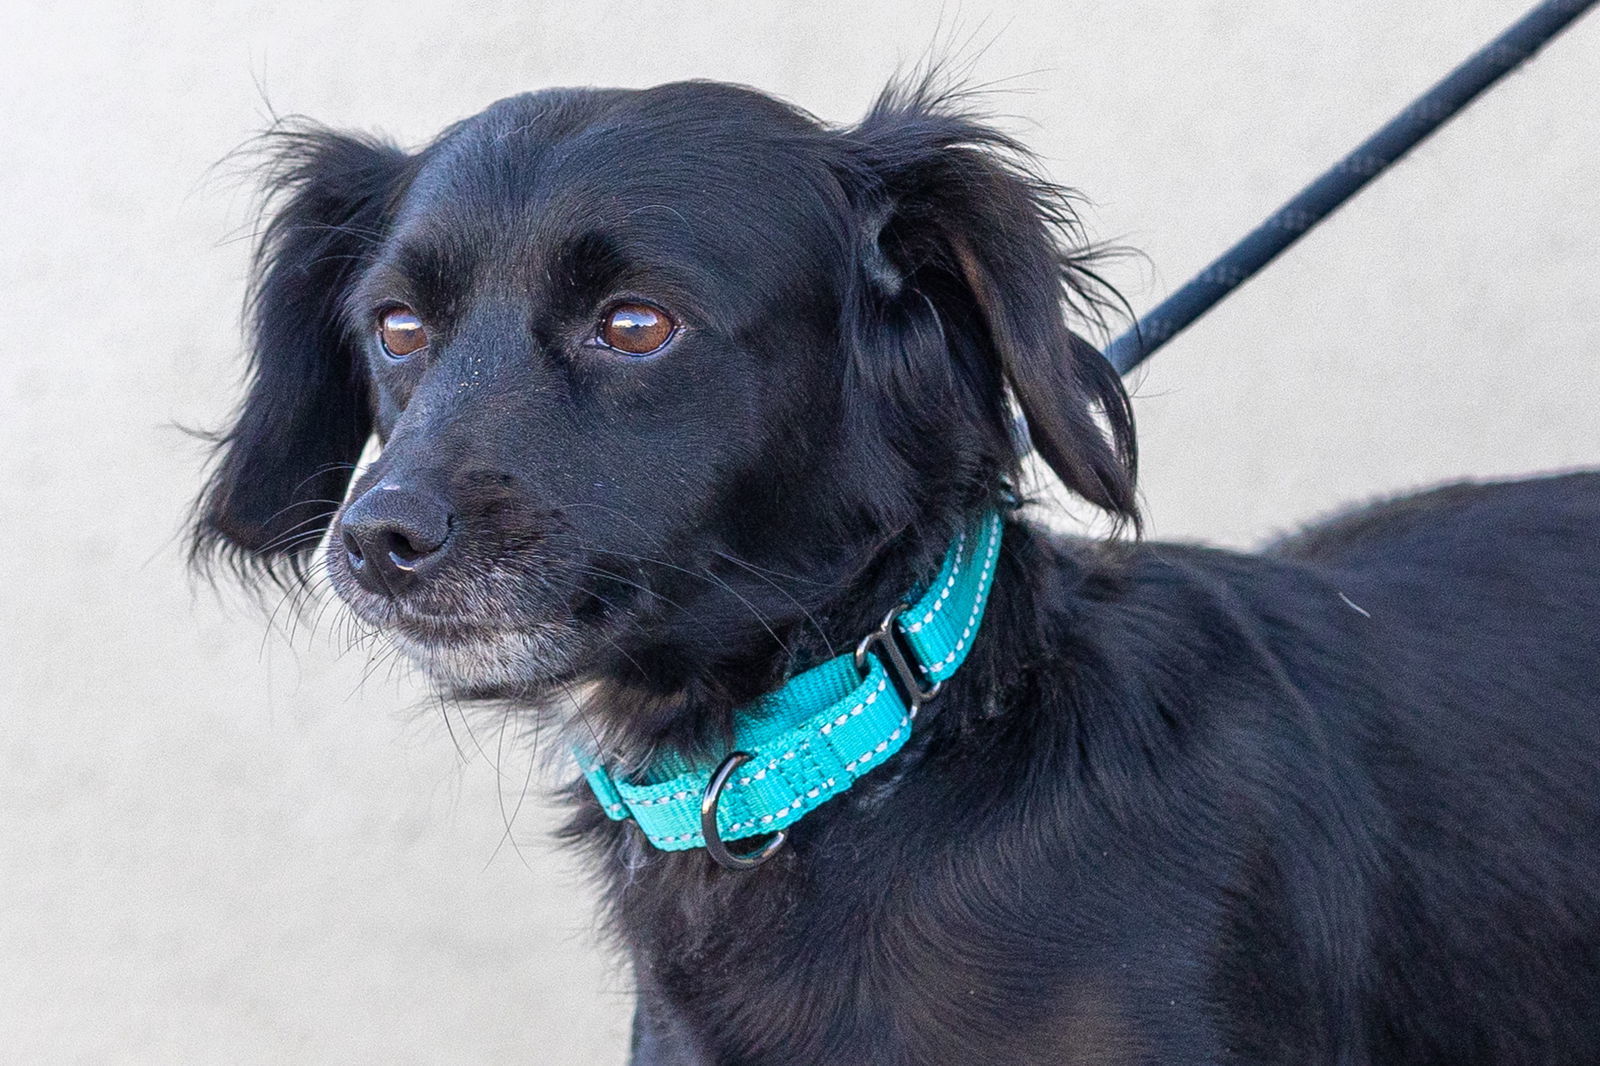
x,y
1319,199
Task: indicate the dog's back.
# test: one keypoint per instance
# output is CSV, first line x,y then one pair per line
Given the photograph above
x,y
1470,685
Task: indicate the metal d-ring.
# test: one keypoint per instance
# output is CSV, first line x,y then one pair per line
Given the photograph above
x,y
708,820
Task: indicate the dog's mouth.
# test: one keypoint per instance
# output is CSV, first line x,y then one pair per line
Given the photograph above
x,y
484,660
472,641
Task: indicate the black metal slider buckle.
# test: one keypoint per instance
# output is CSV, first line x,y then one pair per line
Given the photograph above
x,y
901,661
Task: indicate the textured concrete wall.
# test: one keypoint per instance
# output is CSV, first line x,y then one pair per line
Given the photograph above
x,y
219,843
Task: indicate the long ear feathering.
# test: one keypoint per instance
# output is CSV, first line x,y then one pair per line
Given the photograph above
x,y
283,466
964,201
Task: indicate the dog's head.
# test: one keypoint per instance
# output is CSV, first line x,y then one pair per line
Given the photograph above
x,y
658,375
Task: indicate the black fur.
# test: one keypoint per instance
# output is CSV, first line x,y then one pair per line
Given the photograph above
x,y
1332,803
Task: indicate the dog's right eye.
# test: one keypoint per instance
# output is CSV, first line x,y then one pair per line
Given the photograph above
x,y
401,332
636,329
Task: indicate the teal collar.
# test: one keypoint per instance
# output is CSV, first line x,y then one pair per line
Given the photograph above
x,y
799,746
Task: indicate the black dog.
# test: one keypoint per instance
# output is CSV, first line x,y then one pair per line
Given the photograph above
x,y
680,390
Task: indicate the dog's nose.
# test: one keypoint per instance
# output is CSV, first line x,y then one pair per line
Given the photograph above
x,y
392,536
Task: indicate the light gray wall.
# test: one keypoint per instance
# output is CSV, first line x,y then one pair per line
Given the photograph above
x,y
217,844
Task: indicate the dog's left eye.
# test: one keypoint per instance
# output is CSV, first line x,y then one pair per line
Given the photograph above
x,y
636,328
401,332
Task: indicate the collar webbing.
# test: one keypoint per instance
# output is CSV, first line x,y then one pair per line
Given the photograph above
x,y
824,728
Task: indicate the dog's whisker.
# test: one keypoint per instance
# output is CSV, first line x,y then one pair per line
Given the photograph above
x,y
608,575
444,715
706,576
780,575
805,611
292,535
611,641
508,819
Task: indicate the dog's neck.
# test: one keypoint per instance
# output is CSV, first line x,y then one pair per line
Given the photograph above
x,y
689,708
700,714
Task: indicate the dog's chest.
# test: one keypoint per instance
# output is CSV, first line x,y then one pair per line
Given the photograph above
x,y
774,974
930,1020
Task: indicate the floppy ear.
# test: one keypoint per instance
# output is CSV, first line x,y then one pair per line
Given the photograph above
x,y
967,233
284,465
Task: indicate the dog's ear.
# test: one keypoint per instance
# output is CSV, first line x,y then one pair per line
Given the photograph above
x,y
285,463
971,251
